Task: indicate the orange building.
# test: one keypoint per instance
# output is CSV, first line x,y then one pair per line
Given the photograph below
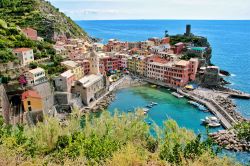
x,y
32,101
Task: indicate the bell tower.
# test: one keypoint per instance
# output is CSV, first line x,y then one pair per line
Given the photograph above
x,y
94,63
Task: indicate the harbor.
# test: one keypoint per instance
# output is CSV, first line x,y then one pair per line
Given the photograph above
x,y
163,105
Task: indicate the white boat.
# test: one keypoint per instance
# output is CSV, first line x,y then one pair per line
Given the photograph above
x,y
145,111
214,124
199,106
153,103
211,121
177,95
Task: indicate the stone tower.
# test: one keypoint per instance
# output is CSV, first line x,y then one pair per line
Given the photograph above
x,y
94,63
188,30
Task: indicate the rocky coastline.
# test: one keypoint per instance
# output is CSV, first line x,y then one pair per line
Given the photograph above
x,y
230,107
229,140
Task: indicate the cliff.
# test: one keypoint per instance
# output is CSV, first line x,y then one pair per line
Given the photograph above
x,y
40,15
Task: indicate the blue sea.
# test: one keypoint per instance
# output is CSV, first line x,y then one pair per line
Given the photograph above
x,y
230,41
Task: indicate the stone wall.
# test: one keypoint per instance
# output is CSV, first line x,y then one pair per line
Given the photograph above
x,y
4,104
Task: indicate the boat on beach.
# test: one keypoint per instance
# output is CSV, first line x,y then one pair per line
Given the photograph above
x,y
177,95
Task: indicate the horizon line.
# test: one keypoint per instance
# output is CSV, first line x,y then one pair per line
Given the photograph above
x,y
162,19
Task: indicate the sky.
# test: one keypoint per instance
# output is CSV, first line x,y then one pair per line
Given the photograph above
x,y
154,9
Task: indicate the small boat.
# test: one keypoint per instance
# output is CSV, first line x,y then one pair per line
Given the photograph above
x,y
153,86
199,106
211,121
214,124
177,95
149,123
145,111
154,103
149,106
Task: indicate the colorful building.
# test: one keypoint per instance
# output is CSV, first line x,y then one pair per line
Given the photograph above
x,y
35,76
32,101
175,73
25,55
137,64
76,68
178,47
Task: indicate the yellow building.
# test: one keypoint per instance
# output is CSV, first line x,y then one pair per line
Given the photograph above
x,y
76,68
136,64
32,101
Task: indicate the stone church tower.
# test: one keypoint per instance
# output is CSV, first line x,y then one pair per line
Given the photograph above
x,y
94,63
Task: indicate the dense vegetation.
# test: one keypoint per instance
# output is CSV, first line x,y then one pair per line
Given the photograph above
x,y
11,37
106,140
196,40
243,130
40,15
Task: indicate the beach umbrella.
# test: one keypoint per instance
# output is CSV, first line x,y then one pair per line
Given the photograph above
x,y
189,87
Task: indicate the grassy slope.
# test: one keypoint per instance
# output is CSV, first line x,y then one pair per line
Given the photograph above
x,y
40,15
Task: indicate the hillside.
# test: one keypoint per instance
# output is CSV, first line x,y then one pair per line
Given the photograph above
x,y
39,15
12,37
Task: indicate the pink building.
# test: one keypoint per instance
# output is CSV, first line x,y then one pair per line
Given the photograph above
x,y
109,63
30,33
178,47
178,73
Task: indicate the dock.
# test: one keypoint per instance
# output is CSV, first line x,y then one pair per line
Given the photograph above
x,y
236,95
226,119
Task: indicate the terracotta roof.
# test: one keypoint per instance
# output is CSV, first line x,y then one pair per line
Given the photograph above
x,y
30,93
22,49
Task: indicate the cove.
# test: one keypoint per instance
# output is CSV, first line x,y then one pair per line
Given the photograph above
x,y
169,107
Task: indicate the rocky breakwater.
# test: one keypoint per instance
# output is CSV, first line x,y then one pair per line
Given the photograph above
x,y
103,104
229,140
230,107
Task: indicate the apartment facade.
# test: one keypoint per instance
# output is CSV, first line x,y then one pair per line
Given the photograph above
x,y
35,76
25,55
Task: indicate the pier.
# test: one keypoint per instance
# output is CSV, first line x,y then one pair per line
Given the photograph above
x,y
236,94
226,119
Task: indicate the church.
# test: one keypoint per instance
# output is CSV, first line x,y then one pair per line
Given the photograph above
x,y
92,86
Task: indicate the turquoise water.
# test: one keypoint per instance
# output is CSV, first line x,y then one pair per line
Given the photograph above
x,y
168,107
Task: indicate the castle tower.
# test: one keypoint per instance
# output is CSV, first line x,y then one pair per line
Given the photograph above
x,y
94,63
188,30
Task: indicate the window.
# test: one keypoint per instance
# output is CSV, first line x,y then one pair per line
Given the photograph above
x,y
29,103
29,108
